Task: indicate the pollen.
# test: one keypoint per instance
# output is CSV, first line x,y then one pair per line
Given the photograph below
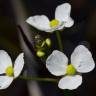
x,y
54,23
10,71
70,70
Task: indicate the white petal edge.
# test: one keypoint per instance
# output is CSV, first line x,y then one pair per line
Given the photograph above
x,y
69,22
56,63
70,82
62,12
19,64
41,22
5,82
82,60
5,61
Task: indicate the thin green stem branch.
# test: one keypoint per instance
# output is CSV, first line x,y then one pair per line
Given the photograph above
x,y
59,41
39,79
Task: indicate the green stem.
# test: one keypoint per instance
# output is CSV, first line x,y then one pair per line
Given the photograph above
x,y
39,79
68,93
59,41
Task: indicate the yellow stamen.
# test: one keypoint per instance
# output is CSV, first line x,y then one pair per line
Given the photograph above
x,y
70,70
54,23
40,53
10,71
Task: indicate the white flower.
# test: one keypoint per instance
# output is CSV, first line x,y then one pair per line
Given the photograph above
x,y
62,19
81,62
7,68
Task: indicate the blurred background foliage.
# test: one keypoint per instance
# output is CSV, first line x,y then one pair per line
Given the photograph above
x,y
15,12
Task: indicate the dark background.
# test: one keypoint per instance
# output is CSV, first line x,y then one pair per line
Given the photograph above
x,y
84,14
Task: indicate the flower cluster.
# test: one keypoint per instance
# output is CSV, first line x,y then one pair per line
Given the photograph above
x,y
57,62
40,44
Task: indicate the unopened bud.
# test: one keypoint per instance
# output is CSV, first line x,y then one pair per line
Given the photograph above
x,y
40,53
48,42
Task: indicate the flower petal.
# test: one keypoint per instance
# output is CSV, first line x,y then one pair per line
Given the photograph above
x,y
5,61
70,82
62,12
56,63
19,64
41,22
69,22
82,59
5,82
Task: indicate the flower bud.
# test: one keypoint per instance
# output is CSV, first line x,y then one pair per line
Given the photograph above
x,y
48,42
40,53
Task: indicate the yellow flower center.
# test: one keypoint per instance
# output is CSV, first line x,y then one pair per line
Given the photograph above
x,y
54,23
10,71
70,70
